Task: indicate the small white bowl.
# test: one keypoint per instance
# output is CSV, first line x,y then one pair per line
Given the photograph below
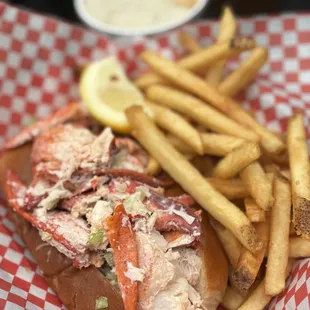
x,y
122,31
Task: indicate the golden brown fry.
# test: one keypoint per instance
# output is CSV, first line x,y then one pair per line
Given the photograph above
x,y
281,135
286,174
203,164
271,168
279,237
249,264
232,299
245,73
199,87
153,167
228,27
270,177
300,174
258,185
258,299
180,145
281,159
199,111
231,245
148,79
237,160
272,162
205,57
299,247
292,230
200,128
219,145
188,42
200,60
255,213
177,125
231,189
178,167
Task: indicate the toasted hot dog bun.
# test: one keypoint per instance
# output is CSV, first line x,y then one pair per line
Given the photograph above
x,y
213,281
79,288
19,161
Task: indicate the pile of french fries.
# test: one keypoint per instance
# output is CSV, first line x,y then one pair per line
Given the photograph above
x,y
247,177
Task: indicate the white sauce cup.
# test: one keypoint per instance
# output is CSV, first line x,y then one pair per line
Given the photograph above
x,y
123,31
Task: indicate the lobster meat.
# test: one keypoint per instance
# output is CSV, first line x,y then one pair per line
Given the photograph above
x,y
71,112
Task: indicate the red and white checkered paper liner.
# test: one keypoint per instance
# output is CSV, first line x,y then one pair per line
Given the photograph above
x,y
37,55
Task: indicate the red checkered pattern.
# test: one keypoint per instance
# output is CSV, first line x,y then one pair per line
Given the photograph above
x,y
296,294
37,57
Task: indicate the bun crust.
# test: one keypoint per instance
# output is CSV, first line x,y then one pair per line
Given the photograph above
x,y
214,276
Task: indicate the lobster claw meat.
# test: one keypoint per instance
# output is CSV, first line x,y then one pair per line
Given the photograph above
x,y
130,155
131,174
176,239
72,111
31,201
185,200
174,216
122,239
91,185
68,234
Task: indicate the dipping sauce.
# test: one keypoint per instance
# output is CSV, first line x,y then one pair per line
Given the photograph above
x,y
136,13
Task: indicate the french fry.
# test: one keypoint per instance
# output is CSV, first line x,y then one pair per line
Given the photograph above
x,y
232,299
188,42
231,245
199,87
205,57
177,125
228,27
258,299
255,213
180,145
148,79
201,59
279,237
231,189
200,112
280,159
281,135
235,296
271,162
237,160
286,174
300,174
271,168
249,264
292,230
178,167
258,185
153,167
270,177
299,247
219,145
203,164
245,73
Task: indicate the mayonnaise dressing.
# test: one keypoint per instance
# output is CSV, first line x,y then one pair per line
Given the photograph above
x,y
135,13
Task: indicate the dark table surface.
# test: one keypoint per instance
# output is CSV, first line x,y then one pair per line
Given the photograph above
x,y
64,8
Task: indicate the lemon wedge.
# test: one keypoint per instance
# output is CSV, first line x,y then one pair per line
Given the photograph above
x,y
107,93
